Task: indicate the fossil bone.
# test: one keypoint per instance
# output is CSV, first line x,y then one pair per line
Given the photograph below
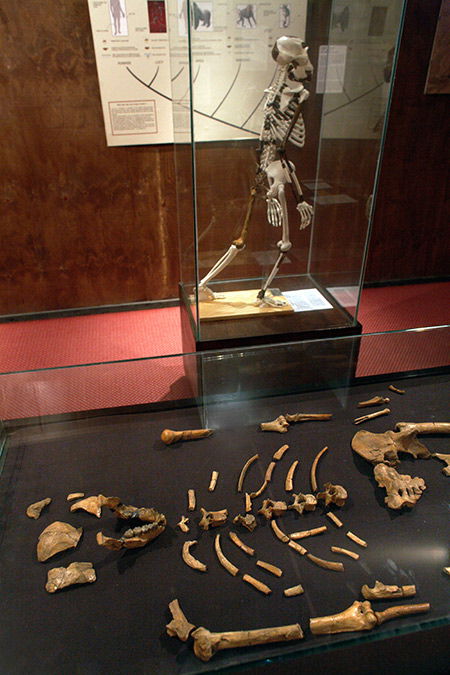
x,y
191,500
308,533
303,502
381,590
282,536
376,400
259,492
213,481
365,418
384,448
257,584
361,616
248,521
314,468
280,424
189,558
75,573
232,569
446,459
297,547
401,489
345,551
57,537
269,471
280,452
91,505
293,590
182,524
356,539
212,518
244,470
307,417
424,427
74,495
326,564
446,570
154,523
289,482
396,389
240,544
248,503
35,510
179,626
332,516
169,436
270,508
333,494
273,569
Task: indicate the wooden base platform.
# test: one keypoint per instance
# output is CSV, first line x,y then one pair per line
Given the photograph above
x,y
239,305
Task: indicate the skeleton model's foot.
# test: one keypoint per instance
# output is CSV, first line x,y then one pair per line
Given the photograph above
x,y
269,300
205,294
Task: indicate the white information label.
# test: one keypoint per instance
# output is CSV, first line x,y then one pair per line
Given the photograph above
x,y
307,300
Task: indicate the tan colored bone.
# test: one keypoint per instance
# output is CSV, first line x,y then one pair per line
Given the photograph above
x,y
332,516
314,469
57,537
35,510
244,470
356,539
179,626
169,436
182,524
269,471
308,533
75,573
282,536
303,502
74,495
257,584
280,452
333,494
446,459
424,427
289,482
213,481
248,521
248,503
308,417
240,544
396,389
293,590
232,569
269,508
384,448
91,505
206,644
191,500
381,590
446,570
326,564
258,493
273,569
128,512
297,547
366,418
189,558
361,616
135,537
345,551
212,518
376,400
280,425
401,489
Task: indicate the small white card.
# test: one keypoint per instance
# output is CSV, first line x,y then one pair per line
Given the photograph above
x,y
307,300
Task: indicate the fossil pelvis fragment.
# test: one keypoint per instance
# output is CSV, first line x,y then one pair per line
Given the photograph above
x,y
384,448
75,573
402,490
34,510
57,537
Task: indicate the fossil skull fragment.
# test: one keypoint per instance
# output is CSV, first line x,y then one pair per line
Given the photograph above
x,y
361,616
57,537
303,502
280,424
384,448
402,490
381,590
333,494
212,518
35,510
75,573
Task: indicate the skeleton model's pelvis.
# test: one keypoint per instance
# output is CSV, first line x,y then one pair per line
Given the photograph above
x,y
283,122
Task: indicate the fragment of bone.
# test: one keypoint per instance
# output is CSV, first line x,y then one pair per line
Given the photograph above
x,y
446,570
314,468
401,489
189,558
280,452
240,544
303,502
129,512
446,459
381,590
376,400
248,503
297,547
257,584
273,569
326,564
179,626
333,494
191,500
269,508
424,427
248,521
384,448
212,518
74,495
269,471
280,424
232,569
307,417
168,436
361,616
356,539
90,504
182,524
75,573
293,590
55,538
213,481
206,644
345,551
136,537
365,418
260,490
244,470
289,481
308,533
35,510
396,389
282,536
332,516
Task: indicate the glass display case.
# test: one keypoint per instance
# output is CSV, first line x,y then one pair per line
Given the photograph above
x,y
96,429
277,149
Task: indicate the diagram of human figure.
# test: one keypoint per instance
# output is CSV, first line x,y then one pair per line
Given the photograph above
x,y
117,10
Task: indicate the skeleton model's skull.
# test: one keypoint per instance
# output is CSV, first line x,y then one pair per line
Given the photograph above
x,y
291,51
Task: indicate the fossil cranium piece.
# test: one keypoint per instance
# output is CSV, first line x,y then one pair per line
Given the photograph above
x,y
244,470
371,416
280,424
169,436
179,626
402,490
139,536
446,459
333,494
361,616
57,537
303,502
313,471
93,504
248,521
75,573
35,510
376,400
308,417
381,590
269,508
384,448
212,518
189,558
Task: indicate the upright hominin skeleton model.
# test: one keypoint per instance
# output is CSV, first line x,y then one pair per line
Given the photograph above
x,y
283,122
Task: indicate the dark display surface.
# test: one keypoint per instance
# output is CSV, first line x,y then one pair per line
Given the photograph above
x,y
117,624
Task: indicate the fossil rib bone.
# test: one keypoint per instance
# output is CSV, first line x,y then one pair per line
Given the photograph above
x,y
384,448
213,481
376,400
326,564
280,424
446,459
248,503
257,584
332,516
57,537
424,427
314,468
273,569
293,590
244,470
169,436
282,536
365,418
307,417
361,616
308,533
333,494
289,482
297,547
35,510
75,573
212,518
259,492
280,452
189,558
232,569
381,590
396,389
401,489
179,626
356,539
182,524
240,544
345,551
269,471
191,500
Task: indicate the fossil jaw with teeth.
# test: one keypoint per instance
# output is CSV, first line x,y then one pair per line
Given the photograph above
x,y
135,537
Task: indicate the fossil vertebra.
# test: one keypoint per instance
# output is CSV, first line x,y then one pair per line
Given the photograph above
x,y
402,490
212,518
333,494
